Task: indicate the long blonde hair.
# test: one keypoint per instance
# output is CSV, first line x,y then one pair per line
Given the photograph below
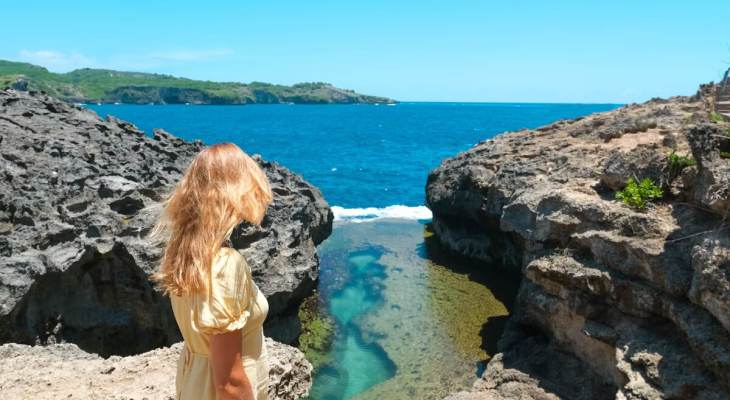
x,y
221,187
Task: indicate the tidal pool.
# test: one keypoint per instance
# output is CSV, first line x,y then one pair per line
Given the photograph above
x,y
409,320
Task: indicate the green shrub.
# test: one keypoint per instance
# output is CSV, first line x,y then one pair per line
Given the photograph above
x,y
687,117
679,162
724,154
716,117
637,195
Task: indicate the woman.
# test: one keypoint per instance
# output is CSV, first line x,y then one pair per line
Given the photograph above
x,y
219,309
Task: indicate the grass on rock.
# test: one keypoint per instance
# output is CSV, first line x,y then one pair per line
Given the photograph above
x,y
637,195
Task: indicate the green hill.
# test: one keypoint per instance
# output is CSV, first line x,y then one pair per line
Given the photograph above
x,y
108,86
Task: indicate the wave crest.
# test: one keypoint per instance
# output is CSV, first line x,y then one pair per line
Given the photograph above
x,y
373,213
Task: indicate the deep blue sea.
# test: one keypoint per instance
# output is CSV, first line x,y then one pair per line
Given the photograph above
x,y
360,156
408,319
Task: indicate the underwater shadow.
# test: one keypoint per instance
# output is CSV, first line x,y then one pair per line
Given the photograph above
x,y
491,333
502,282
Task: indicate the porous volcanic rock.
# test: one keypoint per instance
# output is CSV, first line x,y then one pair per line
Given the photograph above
x,y
63,371
615,302
77,198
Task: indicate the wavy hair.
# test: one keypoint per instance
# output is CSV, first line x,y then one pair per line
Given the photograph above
x,y
222,187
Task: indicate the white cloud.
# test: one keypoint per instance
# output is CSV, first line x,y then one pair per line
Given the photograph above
x,y
63,62
57,61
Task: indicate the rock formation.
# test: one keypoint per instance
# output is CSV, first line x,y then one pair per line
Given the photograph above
x,y
63,371
615,302
88,85
77,198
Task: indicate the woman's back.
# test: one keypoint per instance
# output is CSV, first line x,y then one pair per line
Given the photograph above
x,y
232,302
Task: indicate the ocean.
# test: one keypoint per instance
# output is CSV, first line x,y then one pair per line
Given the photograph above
x,y
405,319
366,159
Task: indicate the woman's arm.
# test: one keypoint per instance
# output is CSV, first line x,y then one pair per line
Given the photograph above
x,y
229,376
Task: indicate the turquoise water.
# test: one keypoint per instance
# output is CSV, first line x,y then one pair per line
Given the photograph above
x,y
408,322
356,364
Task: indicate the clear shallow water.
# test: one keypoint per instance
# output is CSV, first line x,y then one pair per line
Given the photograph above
x,y
356,364
359,155
410,321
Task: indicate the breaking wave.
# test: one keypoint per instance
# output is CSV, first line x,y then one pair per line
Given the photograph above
x,y
373,213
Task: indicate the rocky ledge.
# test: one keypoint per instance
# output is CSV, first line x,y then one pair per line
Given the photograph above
x,y
63,371
615,302
77,198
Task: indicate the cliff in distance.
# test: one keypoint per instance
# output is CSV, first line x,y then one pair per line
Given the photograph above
x,y
615,302
107,86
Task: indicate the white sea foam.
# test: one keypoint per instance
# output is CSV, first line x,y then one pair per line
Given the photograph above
x,y
373,213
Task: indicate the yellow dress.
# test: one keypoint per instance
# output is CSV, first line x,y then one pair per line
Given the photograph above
x,y
223,309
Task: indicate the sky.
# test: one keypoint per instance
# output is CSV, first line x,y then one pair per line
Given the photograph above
x,y
450,50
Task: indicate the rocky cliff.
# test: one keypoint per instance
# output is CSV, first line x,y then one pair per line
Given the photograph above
x,y
77,198
615,302
89,85
239,95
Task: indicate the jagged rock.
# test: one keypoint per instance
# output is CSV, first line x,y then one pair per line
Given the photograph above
x,y
60,371
570,299
629,304
712,188
78,196
623,126
20,84
527,372
290,374
639,163
711,278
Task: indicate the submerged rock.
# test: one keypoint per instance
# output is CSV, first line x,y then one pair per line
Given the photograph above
x,y
61,371
77,198
615,302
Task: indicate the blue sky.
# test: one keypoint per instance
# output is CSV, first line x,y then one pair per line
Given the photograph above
x,y
449,50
